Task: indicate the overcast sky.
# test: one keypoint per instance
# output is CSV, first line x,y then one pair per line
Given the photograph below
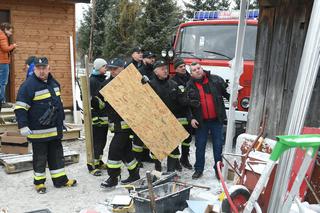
x,y
81,7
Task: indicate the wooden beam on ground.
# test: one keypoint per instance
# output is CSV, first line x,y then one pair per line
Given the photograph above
x,y
142,109
70,134
85,88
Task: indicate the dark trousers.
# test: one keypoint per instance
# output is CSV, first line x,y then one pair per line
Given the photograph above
x,y
51,152
99,140
185,146
140,151
201,136
175,154
120,151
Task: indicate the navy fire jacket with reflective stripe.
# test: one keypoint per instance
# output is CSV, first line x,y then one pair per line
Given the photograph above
x,y
33,100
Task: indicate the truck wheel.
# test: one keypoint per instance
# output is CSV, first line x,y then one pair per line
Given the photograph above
x,y
239,198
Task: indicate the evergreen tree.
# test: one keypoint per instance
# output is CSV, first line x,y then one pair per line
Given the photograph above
x,y
224,5
121,27
253,5
98,32
193,6
158,24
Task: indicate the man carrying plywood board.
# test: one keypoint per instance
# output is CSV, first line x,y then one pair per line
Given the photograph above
x,y
145,113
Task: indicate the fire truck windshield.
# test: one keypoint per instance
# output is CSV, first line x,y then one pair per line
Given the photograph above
x,y
215,42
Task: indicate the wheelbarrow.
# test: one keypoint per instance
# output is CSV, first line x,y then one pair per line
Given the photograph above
x,y
241,201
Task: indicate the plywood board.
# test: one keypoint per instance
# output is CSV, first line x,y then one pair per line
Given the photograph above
x,y
142,109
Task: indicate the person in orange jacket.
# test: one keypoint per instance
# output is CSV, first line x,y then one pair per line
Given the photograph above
x,y
5,51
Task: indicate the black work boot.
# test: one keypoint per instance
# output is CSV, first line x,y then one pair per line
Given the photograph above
x,y
110,182
157,165
133,176
102,165
146,156
171,164
184,160
92,170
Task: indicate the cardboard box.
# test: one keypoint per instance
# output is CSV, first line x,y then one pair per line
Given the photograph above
x,y
14,143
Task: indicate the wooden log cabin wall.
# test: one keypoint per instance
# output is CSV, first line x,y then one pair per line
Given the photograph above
x,y
42,28
282,29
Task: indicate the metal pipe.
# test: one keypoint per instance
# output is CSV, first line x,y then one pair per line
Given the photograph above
x,y
236,69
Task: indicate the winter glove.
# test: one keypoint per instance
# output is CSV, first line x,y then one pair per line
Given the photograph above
x,y
145,79
102,105
64,126
25,131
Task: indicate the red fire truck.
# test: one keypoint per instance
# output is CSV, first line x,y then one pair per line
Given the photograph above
x,y
210,40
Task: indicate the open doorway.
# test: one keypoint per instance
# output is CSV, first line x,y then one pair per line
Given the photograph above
x,y
5,17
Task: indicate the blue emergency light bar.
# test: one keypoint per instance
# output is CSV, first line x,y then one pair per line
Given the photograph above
x,y
233,14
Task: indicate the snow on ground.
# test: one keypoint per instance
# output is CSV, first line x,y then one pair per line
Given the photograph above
x,y
18,195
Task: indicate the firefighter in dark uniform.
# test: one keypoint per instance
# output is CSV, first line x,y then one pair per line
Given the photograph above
x,y
40,116
99,115
136,57
182,77
172,96
141,151
121,145
147,64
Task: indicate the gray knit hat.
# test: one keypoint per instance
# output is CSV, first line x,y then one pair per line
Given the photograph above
x,y
98,63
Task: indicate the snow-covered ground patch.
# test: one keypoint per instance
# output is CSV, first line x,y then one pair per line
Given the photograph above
x,y
18,195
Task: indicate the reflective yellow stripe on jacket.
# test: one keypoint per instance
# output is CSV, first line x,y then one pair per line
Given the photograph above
x,y
124,125
22,105
183,121
100,120
43,133
42,94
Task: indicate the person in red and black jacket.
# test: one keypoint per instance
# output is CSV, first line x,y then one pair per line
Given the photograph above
x,y
209,116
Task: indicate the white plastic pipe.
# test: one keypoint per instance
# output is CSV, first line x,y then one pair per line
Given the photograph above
x,y
236,69
75,115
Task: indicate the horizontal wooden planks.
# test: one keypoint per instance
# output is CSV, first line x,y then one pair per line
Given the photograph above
x,y
42,28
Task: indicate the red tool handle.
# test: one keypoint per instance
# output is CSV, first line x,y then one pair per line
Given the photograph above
x,y
233,207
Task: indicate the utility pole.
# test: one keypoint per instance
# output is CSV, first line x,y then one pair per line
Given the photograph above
x,y
93,20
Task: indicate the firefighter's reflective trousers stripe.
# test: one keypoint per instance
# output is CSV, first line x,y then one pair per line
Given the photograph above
x,y
100,121
99,140
120,152
140,151
50,152
174,154
123,124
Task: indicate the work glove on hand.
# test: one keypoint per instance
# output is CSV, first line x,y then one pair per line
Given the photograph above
x,y
25,131
145,79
